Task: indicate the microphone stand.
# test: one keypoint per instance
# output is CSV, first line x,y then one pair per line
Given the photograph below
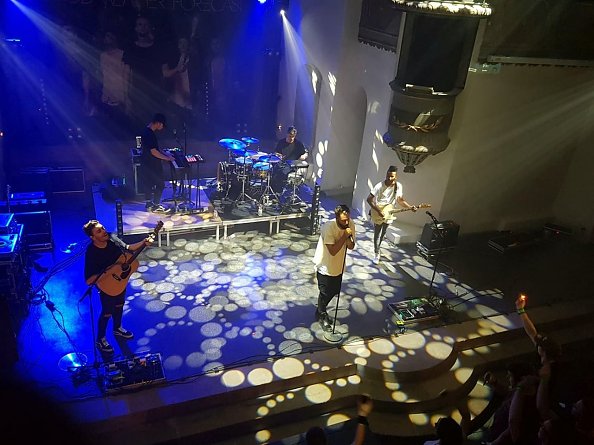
x,y
334,336
434,298
88,293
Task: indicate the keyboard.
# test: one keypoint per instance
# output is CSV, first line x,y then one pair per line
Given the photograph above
x,y
183,161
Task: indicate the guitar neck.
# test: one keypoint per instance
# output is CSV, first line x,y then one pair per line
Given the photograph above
x,y
135,254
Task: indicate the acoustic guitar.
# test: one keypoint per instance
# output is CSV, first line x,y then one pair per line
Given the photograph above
x,y
389,213
115,279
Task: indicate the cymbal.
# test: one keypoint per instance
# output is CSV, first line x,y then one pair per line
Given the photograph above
x,y
250,141
232,144
72,362
244,160
271,159
259,154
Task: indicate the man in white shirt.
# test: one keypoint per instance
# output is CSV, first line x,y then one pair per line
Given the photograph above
x,y
389,191
330,257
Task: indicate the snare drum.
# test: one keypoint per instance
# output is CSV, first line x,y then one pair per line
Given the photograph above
x,y
261,170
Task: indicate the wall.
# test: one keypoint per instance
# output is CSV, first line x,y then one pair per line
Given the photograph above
x,y
520,139
513,138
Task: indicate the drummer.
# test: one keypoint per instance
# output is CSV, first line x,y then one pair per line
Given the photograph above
x,y
287,149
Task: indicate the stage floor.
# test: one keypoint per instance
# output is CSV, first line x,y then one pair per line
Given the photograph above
x,y
209,305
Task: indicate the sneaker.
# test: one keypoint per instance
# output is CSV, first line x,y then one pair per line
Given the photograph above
x,y
160,209
121,332
104,346
376,258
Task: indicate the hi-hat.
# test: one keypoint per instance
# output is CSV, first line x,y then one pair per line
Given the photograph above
x,y
250,141
232,144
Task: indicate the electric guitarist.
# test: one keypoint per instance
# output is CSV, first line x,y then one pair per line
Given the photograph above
x,y
106,256
387,192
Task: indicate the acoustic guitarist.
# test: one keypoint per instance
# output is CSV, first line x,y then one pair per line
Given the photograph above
x,y
104,253
387,192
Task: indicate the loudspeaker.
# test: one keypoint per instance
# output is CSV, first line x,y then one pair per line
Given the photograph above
x,y
32,179
67,180
444,236
436,51
37,229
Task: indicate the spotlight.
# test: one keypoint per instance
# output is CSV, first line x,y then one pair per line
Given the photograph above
x,y
261,1
283,6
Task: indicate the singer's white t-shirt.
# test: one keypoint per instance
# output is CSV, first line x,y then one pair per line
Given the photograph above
x,y
325,263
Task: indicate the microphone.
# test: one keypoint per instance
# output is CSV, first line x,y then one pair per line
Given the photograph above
x,y
175,135
118,242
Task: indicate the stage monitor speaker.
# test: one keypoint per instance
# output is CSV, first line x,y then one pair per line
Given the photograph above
x,y
431,237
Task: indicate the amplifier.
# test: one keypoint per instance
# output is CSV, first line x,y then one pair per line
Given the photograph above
x,y
67,180
27,195
513,241
24,205
444,236
38,229
132,373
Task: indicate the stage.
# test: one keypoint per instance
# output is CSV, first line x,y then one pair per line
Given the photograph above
x,y
215,307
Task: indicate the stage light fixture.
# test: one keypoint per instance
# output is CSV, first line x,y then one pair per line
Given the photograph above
x,y
283,6
261,1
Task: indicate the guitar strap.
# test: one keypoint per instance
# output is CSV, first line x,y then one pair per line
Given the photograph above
x,y
395,191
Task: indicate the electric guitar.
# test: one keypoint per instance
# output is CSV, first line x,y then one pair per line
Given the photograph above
x,y
115,278
389,213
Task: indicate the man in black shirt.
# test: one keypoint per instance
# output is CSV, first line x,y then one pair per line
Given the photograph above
x,y
287,149
100,254
151,164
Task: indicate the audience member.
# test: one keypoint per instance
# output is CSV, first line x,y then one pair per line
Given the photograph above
x,y
448,432
499,432
317,436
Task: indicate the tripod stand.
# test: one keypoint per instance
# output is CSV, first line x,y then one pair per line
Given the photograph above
x,y
295,181
269,196
242,175
434,299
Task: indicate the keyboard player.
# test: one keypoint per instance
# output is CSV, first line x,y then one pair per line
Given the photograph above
x,y
151,167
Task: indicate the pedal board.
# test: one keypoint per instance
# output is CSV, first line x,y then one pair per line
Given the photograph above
x,y
413,311
133,373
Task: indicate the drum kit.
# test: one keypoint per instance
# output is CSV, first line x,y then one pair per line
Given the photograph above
x,y
248,172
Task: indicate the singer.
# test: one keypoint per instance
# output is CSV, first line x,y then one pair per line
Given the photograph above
x,y
330,257
99,256
151,168
382,198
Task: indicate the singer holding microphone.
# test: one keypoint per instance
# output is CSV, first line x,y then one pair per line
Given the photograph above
x,y
330,257
381,199
105,250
